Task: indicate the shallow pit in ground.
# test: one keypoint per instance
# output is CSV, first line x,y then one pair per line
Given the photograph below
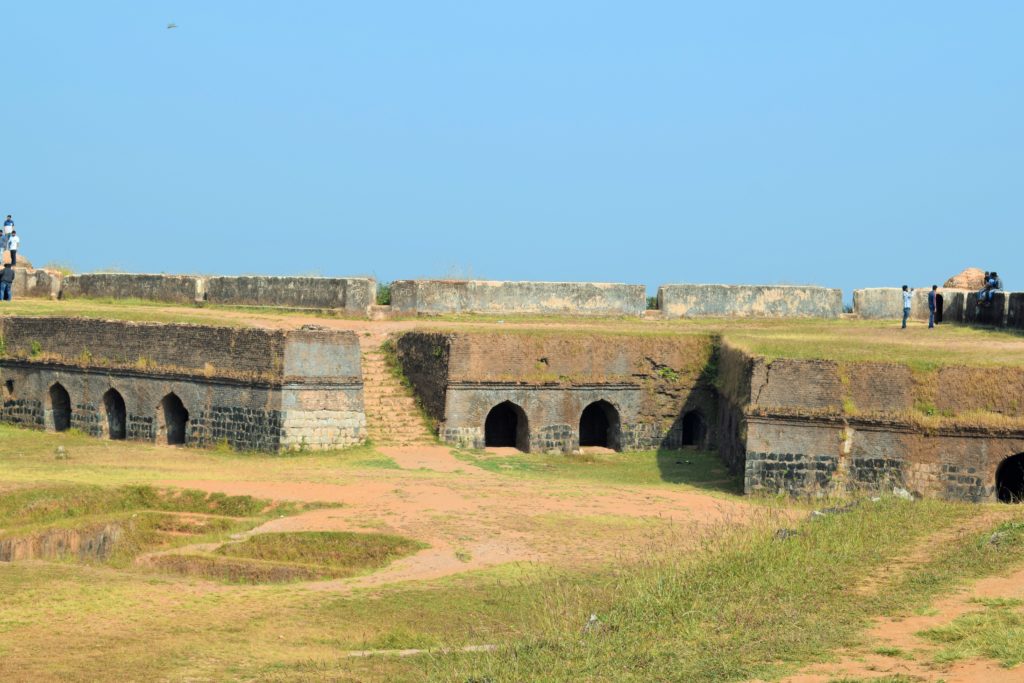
x,y
285,557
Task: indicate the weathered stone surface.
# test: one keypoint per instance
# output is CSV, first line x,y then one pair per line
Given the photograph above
x,y
876,303
350,294
436,297
650,383
36,283
252,389
968,278
181,289
770,301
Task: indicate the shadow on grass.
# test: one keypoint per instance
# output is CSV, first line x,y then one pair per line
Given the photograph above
x,y
697,468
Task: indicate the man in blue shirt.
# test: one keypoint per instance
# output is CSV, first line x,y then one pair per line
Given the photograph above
x,y
933,302
907,298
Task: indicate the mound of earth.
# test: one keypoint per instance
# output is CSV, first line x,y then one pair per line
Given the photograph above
x,y
968,278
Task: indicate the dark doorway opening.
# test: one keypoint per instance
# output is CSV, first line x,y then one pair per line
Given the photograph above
x,y
938,308
599,425
113,406
60,408
1010,479
173,420
694,429
506,425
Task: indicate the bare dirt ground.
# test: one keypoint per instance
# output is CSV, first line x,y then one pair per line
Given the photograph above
x,y
473,519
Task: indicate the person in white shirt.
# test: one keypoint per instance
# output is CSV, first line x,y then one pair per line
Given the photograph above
x,y
908,295
12,244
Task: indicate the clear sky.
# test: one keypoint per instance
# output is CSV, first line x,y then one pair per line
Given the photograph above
x,y
845,144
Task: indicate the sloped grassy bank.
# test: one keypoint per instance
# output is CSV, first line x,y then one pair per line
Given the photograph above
x,y
751,603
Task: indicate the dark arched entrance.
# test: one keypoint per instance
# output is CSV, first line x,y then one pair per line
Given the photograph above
x,y
172,421
599,425
506,425
694,428
1010,479
938,308
60,408
116,415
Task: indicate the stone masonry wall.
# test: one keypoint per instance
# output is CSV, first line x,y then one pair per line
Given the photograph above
x,y
36,283
252,389
650,382
812,427
436,297
349,294
770,301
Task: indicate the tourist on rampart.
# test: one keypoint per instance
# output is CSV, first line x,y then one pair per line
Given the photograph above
x,y
6,282
933,297
995,284
907,299
8,230
12,246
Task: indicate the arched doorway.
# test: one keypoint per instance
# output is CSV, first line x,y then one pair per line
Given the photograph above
x,y
694,428
1010,479
115,413
172,421
60,408
506,425
599,425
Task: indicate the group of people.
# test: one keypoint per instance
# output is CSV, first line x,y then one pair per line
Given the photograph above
x,y
993,284
9,242
933,302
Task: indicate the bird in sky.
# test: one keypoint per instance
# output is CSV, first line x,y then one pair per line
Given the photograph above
x,y
172,25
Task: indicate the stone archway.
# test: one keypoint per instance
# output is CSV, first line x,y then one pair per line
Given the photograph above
x,y
507,426
58,408
1010,479
694,428
600,426
115,415
172,421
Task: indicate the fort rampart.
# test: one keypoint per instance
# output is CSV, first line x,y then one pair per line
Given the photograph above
x,y
769,301
187,384
435,297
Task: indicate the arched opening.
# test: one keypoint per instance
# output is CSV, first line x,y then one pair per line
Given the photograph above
x,y
599,425
1010,479
938,308
172,421
694,428
60,408
116,415
506,425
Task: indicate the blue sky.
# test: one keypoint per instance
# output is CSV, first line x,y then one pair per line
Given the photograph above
x,y
844,144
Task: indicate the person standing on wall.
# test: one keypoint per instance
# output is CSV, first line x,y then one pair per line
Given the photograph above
x,y
933,302
907,298
12,246
8,229
6,282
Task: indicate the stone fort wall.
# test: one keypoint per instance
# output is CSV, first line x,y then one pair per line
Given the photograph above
x,y
819,427
768,301
252,389
434,297
645,385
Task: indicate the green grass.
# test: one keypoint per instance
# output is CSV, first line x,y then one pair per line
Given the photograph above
x,y
687,467
996,632
339,549
747,605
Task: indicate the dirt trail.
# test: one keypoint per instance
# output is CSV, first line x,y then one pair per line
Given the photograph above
x,y
900,632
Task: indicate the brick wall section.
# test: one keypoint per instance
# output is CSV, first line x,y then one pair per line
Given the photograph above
x,y
743,301
434,297
198,350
